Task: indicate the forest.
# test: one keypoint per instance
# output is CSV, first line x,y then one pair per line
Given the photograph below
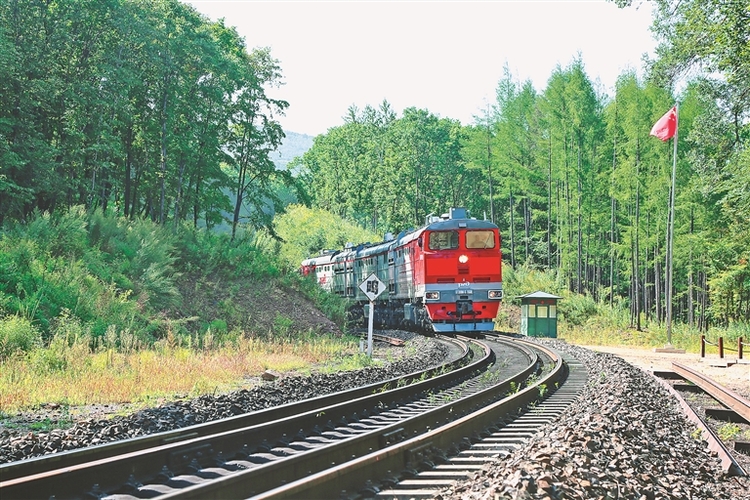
x,y
144,109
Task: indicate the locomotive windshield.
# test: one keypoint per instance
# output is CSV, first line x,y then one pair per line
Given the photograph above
x,y
443,240
480,239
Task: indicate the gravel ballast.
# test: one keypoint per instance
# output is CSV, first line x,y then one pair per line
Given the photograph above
x,y
625,437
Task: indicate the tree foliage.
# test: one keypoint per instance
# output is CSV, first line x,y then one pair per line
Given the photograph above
x,y
306,231
145,107
388,172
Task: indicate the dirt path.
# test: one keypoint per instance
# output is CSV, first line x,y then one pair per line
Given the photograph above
x,y
736,377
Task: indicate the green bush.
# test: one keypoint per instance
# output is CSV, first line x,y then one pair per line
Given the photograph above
x,y
109,275
17,334
206,253
577,309
307,231
523,280
65,233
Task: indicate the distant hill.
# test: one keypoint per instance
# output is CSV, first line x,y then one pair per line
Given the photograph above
x,y
294,145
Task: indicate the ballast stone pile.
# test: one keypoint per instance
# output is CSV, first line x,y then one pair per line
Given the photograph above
x,y
207,408
624,437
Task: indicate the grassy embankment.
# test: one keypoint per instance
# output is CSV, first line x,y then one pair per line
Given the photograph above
x,y
98,309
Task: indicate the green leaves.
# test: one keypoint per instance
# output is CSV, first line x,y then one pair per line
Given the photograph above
x,y
387,173
135,104
305,232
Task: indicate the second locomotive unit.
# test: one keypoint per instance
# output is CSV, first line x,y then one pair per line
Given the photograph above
x,y
444,277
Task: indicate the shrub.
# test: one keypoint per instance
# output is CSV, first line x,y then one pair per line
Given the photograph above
x,y
577,309
307,231
65,232
523,280
17,334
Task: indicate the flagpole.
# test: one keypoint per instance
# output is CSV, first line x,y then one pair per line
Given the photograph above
x,y
670,229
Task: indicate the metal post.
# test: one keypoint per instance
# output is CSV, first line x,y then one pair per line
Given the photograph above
x,y
670,229
721,347
703,346
739,347
369,328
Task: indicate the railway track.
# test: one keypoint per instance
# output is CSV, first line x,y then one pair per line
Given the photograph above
x,y
307,446
493,443
487,427
735,409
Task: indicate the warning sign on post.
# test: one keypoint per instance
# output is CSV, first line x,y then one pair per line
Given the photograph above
x,y
372,287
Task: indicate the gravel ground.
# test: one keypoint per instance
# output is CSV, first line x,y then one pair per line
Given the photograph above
x,y
625,437
96,424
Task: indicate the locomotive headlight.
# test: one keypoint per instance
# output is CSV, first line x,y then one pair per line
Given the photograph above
x,y
495,294
463,259
432,295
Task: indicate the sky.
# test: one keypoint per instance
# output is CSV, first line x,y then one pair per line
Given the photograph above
x,y
443,56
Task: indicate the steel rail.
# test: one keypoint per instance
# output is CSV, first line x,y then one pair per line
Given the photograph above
x,y
728,464
75,457
726,396
390,340
443,427
114,471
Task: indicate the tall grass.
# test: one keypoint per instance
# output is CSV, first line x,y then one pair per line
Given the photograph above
x,y
68,372
652,334
85,302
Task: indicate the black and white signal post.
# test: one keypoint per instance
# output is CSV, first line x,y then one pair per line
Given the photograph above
x,y
372,287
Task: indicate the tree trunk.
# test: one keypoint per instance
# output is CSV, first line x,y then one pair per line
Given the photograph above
x,y
527,228
196,201
691,291
128,165
549,206
178,198
512,232
238,203
163,176
613,208
489,169
579,201
657,285
636,246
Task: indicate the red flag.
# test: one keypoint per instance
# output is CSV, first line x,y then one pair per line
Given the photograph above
x,y
666,127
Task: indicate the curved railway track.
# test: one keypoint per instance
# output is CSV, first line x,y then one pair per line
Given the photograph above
x,y
733,403
317,447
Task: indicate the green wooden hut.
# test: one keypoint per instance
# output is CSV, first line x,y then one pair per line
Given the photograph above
x,y
539,314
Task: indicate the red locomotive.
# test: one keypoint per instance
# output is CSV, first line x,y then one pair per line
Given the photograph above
x,y
443,277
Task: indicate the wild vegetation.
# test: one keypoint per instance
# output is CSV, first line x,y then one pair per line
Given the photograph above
x,y
100,309
145,107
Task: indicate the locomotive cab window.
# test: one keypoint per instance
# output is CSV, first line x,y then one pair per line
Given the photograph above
x,y
480,239
443,240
